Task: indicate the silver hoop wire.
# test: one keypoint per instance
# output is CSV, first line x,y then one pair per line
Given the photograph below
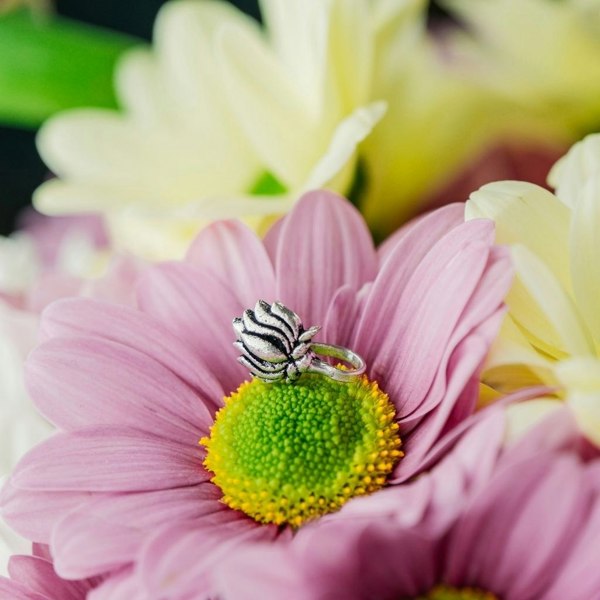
x,y
344,354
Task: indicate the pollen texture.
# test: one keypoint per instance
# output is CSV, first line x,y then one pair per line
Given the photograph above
x,y
445,592
288,453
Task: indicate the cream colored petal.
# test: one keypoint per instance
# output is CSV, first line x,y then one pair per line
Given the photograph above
x,y
155,236
401,39
299,34
512,347
327,48
96,146
581,374
349,133
160,235
56,197
269,109
184,36
586,408
521,417
186,57
404,164
511,378
351,55
241,206
105,155
177,197
538,297
585,254
581,378
541,56
571,173
513,363
140,89
530,215
390,11
546,57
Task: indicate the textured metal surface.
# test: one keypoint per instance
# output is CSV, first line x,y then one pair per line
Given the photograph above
x,y
272,342
274,346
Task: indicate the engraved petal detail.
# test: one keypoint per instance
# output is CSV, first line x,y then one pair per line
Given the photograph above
x,y
273,344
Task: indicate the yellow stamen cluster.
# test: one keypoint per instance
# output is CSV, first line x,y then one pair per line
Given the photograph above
x,y
446,592
288,453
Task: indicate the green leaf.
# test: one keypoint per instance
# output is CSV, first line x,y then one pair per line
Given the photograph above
x,y
48,64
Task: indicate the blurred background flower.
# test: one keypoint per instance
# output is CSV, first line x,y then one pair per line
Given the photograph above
x,y
47,259
541,57
20,425
219,118
400,105
552,331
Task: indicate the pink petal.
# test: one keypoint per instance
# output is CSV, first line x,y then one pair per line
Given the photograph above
x,y
481,320
342,314
418,237
405,329
237,255
557,432
198,308
435,498
39,576
364,558
119,524
459,390
117,285
17,591
50,287
77,382
508,539
33,514
271,239
179,560
41,551
474,458
109,459
406,505
82,316
260,571
124,585
324,244
579,576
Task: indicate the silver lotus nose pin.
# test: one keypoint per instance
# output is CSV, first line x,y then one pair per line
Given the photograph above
x,y
274,346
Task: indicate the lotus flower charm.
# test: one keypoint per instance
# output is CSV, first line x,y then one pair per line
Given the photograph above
x,y
273,344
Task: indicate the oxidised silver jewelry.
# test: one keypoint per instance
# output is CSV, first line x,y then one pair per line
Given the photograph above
x,y
275,346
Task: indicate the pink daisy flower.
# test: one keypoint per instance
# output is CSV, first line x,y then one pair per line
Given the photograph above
x,y
34,578
134,390
489,522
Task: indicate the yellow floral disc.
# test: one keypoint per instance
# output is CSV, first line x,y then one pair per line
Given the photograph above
x,y
446,592
287,453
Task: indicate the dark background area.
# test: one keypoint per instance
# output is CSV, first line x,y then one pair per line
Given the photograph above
x,y
21,169
135,17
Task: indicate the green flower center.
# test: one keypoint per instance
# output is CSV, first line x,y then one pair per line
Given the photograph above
x,y
446,592
287,453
